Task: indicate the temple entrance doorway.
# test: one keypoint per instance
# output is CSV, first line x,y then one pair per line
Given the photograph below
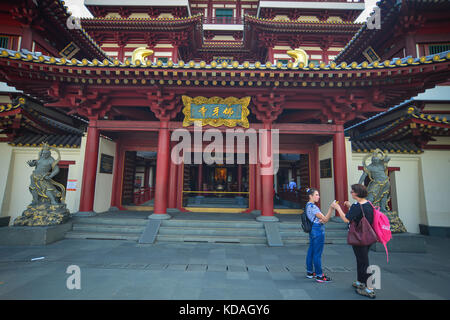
x,y
213,187
291,181
138,178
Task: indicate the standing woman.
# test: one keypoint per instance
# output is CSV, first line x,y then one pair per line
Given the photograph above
x,y
316,237
359,193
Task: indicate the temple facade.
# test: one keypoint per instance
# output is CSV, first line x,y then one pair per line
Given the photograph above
x,y
115,91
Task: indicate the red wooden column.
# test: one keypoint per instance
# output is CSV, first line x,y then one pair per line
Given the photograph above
x,y
172,190
267,193
268,108
162,172
340,165
165,106
89,170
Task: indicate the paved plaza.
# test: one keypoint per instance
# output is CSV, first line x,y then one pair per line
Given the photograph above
x,y
127,270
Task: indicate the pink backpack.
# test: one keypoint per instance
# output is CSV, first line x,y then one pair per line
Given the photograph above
x,y
382,227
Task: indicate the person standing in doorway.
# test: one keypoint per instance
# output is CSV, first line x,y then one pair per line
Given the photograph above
x,y
292,185
316,237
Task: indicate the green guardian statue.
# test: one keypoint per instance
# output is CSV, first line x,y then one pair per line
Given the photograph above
x,y
47,207
379,187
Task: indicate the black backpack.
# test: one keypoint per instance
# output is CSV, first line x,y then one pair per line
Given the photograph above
x,y
306,223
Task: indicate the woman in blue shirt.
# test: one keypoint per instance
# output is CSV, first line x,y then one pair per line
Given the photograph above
x,y
316,237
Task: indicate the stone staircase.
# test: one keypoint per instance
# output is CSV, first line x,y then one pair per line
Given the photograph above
x,y
217,202
212,231
107,228
191,230
292,233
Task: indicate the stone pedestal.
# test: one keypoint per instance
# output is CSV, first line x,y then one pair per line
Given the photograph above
x,y
403,242
33,236
44,214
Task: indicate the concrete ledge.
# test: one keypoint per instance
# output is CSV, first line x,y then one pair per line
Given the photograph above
x,y
434,231
33,236
4,221
403,242
84,214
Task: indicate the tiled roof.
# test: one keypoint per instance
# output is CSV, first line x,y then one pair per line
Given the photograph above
x,y
402,123
58,141
385,146
27,56
11,106
389,15
57,11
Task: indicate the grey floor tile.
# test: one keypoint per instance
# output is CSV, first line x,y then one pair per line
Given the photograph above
x,y
237,275
295,294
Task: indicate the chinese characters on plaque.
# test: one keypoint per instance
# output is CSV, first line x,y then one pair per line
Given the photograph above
x,y
216,111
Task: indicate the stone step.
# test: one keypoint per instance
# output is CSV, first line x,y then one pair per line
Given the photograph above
x,y
197,238
210,231
216,206
294,241
297,233
102,235
109,228
212,224
111,221
221,201
328,226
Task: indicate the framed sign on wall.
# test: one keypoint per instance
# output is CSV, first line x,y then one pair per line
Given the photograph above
x,y
325,168
106,163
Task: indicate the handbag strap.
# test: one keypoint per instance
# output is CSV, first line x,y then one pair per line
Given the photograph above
x,y
362,209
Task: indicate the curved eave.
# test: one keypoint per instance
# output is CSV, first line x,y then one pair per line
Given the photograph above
x,y
139,24
436,125
397,79
56,10
293,25
389,11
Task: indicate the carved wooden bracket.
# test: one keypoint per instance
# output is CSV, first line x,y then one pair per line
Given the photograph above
x,y
85,102
350,105
268,106
165,106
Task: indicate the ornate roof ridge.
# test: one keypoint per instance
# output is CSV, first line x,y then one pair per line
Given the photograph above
x,y
288,21
27,56
109,19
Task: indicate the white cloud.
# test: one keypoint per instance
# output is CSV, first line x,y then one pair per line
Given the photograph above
x,y
370,4
78,8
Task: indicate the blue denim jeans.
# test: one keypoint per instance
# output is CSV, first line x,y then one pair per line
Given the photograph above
x,y
316,242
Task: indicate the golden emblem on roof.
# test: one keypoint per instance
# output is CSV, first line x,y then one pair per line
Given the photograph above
x,y
140,53
299,55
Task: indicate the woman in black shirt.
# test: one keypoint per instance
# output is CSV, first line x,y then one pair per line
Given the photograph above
x,y
355,213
